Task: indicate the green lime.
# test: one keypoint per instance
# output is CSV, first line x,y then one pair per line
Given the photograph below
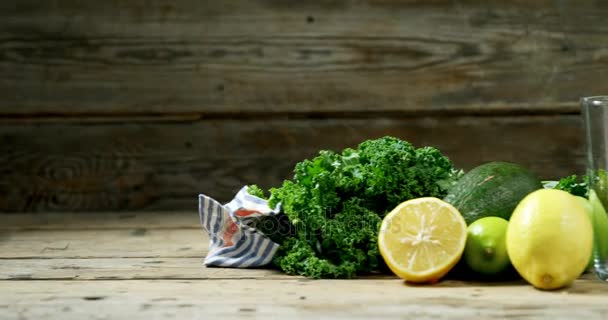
x,y
486,248
599,220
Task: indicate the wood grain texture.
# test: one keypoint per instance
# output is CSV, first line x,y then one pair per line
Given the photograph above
x,y
93,167
119,243
101,220
125,285
254,57
141,105
127,269
295,299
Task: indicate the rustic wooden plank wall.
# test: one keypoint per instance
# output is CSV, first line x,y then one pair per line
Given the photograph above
x,y
114,105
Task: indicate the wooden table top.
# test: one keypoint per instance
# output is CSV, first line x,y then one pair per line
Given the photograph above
x,y
149,266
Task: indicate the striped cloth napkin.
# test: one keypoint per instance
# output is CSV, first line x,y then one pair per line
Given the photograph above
x,y
233,241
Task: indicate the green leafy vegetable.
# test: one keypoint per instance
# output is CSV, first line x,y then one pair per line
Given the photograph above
x,y
570,184
333,206
255,190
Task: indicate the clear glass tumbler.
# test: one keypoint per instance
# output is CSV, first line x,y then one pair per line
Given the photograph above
x,y
595,115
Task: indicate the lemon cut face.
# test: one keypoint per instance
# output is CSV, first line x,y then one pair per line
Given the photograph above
x,y
422,239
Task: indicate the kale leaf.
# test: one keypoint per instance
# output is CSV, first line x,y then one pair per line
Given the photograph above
x,y
255,190
572,185
332,208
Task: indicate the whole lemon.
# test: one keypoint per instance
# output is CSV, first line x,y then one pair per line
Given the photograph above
x,y
549,238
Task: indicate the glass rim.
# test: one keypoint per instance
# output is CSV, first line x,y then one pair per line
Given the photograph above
x,y
595,98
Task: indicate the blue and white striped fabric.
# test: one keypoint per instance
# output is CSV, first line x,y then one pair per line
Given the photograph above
x,y
233,241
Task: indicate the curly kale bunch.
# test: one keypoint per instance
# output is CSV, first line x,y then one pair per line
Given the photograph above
x,y
333,206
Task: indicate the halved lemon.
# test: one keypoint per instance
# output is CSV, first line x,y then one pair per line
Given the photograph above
x,y
422,239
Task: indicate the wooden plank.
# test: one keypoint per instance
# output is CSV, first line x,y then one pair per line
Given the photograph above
x,y
126,269
133,243
297,299
230,57
164,166
101,220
